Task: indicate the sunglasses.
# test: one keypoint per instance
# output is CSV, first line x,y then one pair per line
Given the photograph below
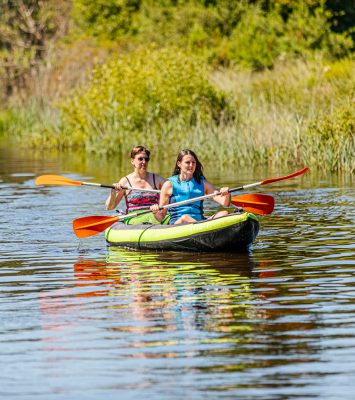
x,y
143,158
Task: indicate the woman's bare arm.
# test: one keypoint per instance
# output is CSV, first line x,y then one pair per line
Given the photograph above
x,y
165,194
115,195
222,199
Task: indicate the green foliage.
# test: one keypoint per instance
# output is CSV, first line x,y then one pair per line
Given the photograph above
x,y
248,33
341,12
5,122
280,116
299,114
261,38
109,18
258,40
305,88
297,109
142,91
308,30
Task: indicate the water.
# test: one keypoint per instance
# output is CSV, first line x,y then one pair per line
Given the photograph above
x,y
82,321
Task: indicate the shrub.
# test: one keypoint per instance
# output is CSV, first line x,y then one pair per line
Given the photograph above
x,y
107,18
309,30
261,38
249,33
257,40
142,91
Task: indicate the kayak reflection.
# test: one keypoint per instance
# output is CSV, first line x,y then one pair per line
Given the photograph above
x,y
162,291
232,263
124,267
172,305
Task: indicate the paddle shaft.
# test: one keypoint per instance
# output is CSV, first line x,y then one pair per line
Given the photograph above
x,y
123,187
205,196
62,180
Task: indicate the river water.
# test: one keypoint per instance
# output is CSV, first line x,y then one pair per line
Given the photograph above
x,y
82,321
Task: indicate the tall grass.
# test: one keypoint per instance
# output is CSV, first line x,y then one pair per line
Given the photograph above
x,y
302,113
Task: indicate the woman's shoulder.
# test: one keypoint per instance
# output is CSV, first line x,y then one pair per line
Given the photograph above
x,y
167,183
124,180
167,188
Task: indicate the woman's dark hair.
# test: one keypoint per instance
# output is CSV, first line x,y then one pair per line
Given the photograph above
x,y
198,174
139,149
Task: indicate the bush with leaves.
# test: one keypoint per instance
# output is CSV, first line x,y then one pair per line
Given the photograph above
x,y
250,33
261,38
109,18
141,91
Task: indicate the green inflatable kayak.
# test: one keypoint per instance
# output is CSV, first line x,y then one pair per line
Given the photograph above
x,y
234,232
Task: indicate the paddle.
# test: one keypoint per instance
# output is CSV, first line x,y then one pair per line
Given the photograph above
x,y
61,180
88,226
91,225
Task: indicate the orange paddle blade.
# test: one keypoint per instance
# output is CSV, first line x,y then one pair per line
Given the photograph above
x,y
255,203
55,180
89,226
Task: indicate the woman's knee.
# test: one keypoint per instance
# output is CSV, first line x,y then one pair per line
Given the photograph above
x,y
220,214
184,219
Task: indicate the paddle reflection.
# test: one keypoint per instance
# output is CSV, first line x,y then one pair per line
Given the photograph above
x,y
91,274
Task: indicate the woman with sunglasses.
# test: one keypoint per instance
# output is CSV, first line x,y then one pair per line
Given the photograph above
x,y
186,183
139,178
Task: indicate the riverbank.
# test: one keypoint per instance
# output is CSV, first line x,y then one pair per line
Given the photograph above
x,y
299,114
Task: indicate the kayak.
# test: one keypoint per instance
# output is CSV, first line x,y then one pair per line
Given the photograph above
x,y
234,232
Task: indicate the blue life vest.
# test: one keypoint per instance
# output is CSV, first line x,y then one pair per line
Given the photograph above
x,y
184,190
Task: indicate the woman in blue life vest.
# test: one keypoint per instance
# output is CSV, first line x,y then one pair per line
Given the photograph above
x,y
186,183
139,178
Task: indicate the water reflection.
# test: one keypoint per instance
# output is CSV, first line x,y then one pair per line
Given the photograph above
x,y
176,305
89,273
165,285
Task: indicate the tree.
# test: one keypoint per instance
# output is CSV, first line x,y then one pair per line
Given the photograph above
x,y
26,27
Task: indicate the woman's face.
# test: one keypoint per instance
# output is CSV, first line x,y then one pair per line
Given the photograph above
x,y
187,165
140,160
